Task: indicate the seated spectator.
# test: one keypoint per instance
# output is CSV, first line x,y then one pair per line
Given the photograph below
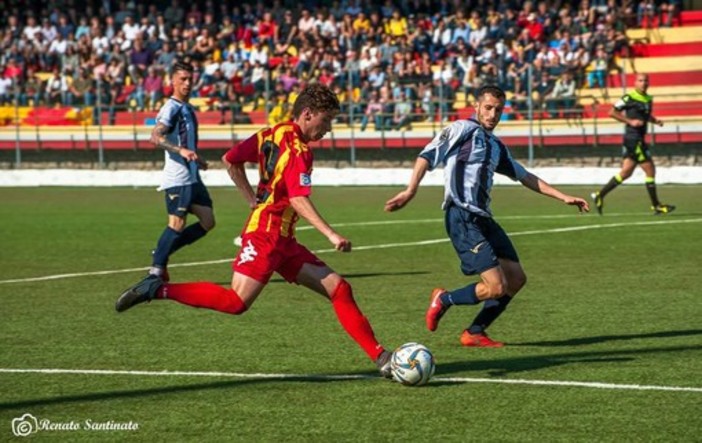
x,y
165,58
31,90
153,88
139,59
374,111
402,114
544,88
82,89
598,69
562,98
6,90
280,112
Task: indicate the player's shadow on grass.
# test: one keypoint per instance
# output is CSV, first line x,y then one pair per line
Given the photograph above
x,y
607,338
500,367
349,276
179,389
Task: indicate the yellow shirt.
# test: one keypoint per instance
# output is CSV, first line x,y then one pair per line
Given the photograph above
x,y
397,28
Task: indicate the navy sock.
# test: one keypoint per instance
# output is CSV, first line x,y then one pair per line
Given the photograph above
x,y
191,234
491,310
462,296
164,246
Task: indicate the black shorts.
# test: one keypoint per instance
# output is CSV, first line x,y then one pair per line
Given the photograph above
x,y
179,199
636,149
478,241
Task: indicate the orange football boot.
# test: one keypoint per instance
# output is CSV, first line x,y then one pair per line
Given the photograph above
x,y
479,340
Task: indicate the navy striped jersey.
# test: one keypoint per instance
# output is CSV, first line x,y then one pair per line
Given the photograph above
x,y
179,117
470,156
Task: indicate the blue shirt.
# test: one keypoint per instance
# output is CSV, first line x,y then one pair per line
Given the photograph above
x,y
470,156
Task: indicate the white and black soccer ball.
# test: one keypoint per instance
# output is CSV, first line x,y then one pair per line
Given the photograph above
x,y
412,364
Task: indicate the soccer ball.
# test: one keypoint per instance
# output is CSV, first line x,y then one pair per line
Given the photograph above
x,y
412,364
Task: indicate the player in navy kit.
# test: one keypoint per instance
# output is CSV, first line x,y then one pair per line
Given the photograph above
x,y
176,134
471,155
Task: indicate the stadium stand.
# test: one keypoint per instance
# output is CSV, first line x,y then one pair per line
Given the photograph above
x,y
434,53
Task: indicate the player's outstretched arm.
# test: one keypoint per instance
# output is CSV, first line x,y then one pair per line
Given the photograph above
x,y
401,199
537,185
237,173
305,209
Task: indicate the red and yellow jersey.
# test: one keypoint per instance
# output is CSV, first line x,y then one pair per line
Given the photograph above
x,y
285,168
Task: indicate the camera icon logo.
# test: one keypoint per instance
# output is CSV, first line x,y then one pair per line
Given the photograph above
x,y
24,425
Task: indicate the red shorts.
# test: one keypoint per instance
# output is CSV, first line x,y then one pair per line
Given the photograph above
x,y
261,255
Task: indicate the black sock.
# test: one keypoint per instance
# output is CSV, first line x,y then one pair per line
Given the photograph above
x,y
191,234
651,188
611,184
491,310
164,246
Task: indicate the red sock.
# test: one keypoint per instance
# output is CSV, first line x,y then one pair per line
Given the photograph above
x,y
353,321
204,295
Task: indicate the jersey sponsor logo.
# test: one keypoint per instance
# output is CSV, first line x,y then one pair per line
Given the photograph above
x,y
305,180
172,197
182,209
247,254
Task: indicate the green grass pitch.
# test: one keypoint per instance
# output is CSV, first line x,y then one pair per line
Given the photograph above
x,y
612,300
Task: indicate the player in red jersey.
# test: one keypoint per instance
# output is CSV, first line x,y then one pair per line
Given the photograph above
x,y
268,238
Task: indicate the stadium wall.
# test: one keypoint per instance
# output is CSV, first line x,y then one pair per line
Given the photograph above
x,y
332,177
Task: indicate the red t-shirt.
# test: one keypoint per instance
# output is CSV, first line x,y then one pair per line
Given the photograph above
x,y
284,168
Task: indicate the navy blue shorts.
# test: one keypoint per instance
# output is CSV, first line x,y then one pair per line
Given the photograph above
x,y
478,241
180,198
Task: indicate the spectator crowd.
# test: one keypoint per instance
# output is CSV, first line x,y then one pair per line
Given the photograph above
x,y
391,62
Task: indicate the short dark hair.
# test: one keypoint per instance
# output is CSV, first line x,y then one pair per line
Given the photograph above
x,y
181,65
493,90
316,97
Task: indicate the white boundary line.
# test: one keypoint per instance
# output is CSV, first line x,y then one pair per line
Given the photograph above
x,y
359,248
332,377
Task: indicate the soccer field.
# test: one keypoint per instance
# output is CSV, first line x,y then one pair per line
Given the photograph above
x,y
603,344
